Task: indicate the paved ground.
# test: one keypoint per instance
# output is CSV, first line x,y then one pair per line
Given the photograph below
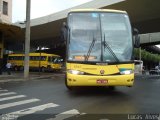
x,y
19,76
48,98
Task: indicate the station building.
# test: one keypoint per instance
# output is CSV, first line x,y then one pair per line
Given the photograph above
x,y
8,31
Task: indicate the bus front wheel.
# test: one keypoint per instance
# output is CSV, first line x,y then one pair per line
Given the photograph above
x,y
68,87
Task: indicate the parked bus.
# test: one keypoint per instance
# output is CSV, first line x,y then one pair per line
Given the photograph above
x,y
99,48
42,61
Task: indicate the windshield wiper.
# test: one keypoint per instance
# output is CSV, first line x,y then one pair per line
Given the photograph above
x,y
90,49
110,50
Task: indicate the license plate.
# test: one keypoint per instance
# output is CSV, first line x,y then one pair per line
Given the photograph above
x,y
100,81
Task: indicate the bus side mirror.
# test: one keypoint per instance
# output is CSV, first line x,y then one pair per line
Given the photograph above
x,y
64,32
136,38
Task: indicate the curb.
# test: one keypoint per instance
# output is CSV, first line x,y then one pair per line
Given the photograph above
x,y
22,79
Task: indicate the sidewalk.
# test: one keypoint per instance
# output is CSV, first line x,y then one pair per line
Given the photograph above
x,y
19,76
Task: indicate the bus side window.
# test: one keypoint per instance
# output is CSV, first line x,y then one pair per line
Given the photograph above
x,y
36,58
43,58
58,60
16,58
30,58
55,60
10,58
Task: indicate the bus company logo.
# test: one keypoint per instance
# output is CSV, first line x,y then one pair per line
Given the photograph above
x,y
102,72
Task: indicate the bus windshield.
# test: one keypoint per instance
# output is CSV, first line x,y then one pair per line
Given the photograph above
x,y
54,59
101,37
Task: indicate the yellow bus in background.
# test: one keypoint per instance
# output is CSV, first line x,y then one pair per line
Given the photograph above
x,y
100,46
42,61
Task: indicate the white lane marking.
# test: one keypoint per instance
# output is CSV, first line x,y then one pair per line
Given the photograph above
x,y
65,115
18,103
12,97
3,90
30,110
35,109
9,93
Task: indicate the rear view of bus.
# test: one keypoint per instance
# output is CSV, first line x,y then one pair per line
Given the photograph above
x,y
99,49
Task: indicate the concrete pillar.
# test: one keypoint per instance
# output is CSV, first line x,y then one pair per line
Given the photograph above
x,y
1,45
27,40
1,51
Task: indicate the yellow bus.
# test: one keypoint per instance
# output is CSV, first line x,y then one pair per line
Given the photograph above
x,y
100,46
42,61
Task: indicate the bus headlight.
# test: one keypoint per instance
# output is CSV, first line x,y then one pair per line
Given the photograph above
x,y
126,72
75,72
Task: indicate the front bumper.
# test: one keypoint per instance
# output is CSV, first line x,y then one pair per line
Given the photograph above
x,y
93,80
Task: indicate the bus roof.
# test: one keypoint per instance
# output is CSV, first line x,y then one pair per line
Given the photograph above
x,y
35,54
98,10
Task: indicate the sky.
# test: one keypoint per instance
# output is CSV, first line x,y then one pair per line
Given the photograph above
x,y
41,8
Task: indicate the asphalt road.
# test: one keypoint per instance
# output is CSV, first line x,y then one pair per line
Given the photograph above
x,y
49,98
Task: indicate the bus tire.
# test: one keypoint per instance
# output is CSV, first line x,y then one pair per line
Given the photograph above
x,y
68,87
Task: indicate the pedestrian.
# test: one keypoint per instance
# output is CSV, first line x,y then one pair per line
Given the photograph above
x,y
8,66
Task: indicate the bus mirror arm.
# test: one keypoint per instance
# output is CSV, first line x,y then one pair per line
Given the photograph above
x,y
136,38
